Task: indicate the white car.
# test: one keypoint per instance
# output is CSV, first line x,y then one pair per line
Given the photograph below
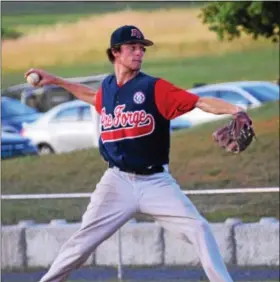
x,y
246,94
64,128
70,126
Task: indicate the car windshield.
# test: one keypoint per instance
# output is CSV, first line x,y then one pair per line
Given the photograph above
x,y
13,108
263,92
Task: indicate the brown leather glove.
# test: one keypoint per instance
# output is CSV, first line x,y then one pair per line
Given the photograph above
x,y
237,135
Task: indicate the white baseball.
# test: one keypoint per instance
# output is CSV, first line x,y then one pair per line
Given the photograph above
x,y
33,78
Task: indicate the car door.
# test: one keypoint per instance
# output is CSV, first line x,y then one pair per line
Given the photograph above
x,y
64,130
87,127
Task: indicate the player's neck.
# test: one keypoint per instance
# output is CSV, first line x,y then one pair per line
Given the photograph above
x,y
123,75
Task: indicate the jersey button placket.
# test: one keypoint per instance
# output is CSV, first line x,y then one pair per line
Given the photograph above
x,y
118,145
117,100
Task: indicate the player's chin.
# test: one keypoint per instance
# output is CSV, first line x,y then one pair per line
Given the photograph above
x,y
136,66
136,69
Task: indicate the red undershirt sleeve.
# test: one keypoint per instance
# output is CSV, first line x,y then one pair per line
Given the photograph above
x,y
98,100
173,101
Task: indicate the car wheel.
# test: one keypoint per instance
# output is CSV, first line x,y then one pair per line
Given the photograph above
x,y
45,149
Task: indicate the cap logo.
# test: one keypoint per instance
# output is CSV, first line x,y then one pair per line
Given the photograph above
x,y
136,33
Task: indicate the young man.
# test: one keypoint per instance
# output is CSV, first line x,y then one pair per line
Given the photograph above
x,y
136,110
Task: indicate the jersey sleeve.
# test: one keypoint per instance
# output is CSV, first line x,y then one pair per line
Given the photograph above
x,y
173,101
98,100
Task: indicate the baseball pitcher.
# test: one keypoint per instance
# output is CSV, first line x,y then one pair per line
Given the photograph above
x,y
136,110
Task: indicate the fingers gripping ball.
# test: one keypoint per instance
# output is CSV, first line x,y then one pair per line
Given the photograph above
x,y
237,135
33,78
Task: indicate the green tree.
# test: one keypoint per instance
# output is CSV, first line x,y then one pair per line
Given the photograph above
x,y
230,19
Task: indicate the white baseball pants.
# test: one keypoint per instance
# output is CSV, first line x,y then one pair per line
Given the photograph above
x,y
118,196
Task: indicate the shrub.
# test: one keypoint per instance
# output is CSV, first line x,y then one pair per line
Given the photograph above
x,y
8,33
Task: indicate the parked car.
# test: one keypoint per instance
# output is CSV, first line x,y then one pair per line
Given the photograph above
x,y
9,128
179,123
69,126
14,145
64,128
246,94
15,114
46,97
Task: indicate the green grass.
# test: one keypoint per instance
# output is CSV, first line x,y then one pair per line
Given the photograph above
x,y
41,19
17,9
196,163
49,13
255,64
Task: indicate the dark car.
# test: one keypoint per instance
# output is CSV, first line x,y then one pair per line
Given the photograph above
x,y
15,114
46,97
14,145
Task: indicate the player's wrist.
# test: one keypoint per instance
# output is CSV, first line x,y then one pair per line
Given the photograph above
x,y
236,110
56,80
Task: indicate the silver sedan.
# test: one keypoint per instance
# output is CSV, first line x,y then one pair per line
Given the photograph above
x,y
64,128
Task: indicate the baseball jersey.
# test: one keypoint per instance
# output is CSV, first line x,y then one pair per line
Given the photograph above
x,y
135,119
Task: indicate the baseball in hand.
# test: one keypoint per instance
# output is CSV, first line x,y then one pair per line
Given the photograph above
x,y
33,78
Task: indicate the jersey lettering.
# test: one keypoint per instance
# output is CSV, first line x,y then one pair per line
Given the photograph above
x,y
133,124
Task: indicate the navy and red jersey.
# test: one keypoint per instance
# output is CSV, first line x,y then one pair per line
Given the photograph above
x,y
135,119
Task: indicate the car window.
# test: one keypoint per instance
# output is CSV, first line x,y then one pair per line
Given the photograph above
x,y
14,108
86,113
264,93
53,97
58,96
233,97
70,114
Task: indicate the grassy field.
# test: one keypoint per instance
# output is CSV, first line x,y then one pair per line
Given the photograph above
x,y
84,41
17,9
27,16
242,65
196,163
186,53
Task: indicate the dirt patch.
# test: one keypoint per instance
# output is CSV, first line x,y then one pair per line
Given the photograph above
x,y
267,125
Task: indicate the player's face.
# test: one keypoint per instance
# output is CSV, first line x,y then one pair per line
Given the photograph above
x,y
131,56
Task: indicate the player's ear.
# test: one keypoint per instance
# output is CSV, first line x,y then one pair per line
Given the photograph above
x,y
112,53
116,50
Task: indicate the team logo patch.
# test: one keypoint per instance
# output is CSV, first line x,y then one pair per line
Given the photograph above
x,y
136,33
139,98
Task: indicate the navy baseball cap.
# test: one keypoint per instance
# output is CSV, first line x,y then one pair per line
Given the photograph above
x,y
128,34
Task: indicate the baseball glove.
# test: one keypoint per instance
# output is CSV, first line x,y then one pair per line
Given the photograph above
x,y
237,135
